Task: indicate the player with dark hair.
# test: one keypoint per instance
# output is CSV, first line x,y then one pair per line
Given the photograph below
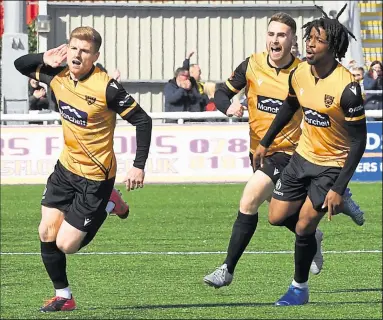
x,y
333,141
265,76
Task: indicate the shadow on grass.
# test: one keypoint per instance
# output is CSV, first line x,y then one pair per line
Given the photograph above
x,y
351,290
220,305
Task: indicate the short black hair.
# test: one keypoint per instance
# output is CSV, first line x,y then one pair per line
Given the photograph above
x,y
337,33
179,70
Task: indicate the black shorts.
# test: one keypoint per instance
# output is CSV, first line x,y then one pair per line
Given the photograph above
x,y
273,165
83,201
301,178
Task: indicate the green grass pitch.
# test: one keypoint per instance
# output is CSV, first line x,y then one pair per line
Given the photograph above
x,y
143,281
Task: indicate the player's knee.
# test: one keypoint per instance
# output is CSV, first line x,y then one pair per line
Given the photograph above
x,y
47,232
67,247
275,219
305,227
248,205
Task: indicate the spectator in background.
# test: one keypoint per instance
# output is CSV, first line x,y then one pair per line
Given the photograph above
x,y
181,94
195,72
358,73
37,96
373,81
295,51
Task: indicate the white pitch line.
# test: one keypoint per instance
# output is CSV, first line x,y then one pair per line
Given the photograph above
x,y
170,253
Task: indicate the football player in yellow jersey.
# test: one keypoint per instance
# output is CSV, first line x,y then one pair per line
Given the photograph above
x,y
332,143
265,76
77,192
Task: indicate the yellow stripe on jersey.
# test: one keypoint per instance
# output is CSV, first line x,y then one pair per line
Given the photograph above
x,y
38,72
356,118
129,109
231,87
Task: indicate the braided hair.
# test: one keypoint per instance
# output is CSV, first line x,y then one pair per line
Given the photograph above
x,y
337,33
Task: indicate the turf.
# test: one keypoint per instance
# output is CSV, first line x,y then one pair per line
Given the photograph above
x,y
191,218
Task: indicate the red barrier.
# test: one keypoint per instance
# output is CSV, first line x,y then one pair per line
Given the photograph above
x,y
31,14
1,18
32,11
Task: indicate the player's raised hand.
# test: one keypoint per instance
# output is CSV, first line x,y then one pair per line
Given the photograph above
x,y
134,179
333,202
259,156
54,57
236,109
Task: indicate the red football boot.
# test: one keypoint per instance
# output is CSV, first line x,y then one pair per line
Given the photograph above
x,y
121,208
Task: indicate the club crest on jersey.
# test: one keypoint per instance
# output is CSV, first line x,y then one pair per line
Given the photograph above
x,y
90,100
328,100
72,114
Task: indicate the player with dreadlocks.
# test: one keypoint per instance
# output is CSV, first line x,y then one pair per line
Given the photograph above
x,y
332,143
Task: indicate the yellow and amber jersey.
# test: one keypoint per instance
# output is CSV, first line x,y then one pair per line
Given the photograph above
x,y
88,109
327,105
266,89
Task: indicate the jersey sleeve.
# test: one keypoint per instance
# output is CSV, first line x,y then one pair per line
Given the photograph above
x,y
290,81
119,100
237,81
32,66
231,87
352,103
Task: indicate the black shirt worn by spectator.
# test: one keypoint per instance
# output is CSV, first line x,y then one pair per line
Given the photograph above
x,y
37,103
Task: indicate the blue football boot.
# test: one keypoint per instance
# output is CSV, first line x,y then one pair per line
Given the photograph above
x,y
294,297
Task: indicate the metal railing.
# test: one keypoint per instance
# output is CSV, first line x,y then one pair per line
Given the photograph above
x,y
55,117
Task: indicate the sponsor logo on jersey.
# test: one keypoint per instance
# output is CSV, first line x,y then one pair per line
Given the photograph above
x,y
126,99
316,119
356,109
269,105
73,115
